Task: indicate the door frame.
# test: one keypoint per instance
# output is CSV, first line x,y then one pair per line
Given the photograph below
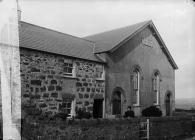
x,y
102,107
122,97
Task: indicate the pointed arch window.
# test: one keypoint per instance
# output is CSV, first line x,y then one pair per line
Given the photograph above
x,y
156,87
136,87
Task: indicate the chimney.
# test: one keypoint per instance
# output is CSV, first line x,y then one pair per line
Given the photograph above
x,y
18,11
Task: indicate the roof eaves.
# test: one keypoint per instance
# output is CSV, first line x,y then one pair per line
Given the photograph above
x,y
70,56
100,51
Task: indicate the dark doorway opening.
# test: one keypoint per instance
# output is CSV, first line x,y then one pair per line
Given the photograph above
x,y
98,108
168,104
116,103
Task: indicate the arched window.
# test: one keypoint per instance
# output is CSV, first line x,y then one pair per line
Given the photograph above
x,y
156,87
136,87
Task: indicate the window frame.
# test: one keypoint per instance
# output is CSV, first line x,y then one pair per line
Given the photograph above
x,y
136,89
102,75
156,86
72,108
67,108
73,73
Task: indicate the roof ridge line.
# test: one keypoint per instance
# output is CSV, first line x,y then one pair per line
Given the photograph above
x,y
147,22
117,28
130,36
57,31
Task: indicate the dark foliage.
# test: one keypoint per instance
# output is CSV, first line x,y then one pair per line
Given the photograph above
x,y
193,125
152,111
61,115
82,114
32,110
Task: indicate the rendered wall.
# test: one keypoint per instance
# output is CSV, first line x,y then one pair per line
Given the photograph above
x,y
148,58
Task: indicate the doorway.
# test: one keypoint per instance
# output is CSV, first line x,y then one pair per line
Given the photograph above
x,y
98,108
116,103
168,104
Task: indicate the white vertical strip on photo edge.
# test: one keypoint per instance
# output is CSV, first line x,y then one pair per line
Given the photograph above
x,y
10,70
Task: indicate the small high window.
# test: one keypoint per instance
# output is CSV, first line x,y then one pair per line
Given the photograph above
x,y
69,69
100,72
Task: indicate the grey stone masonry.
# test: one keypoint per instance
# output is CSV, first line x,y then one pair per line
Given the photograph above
x,y
47,78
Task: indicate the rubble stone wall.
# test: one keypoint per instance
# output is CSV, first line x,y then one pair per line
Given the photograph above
x,y
88,87
44,82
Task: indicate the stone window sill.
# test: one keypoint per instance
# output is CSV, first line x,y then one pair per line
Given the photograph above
x,y
99,79
69,77
157,105
136,105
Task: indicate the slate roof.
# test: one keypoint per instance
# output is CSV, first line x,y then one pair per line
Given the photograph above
x,y
106,41
43,39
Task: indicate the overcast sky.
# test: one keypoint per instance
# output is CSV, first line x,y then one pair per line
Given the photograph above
x,y
173,19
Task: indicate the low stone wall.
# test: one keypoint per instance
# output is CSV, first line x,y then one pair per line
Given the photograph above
x,y
105,129
170,127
